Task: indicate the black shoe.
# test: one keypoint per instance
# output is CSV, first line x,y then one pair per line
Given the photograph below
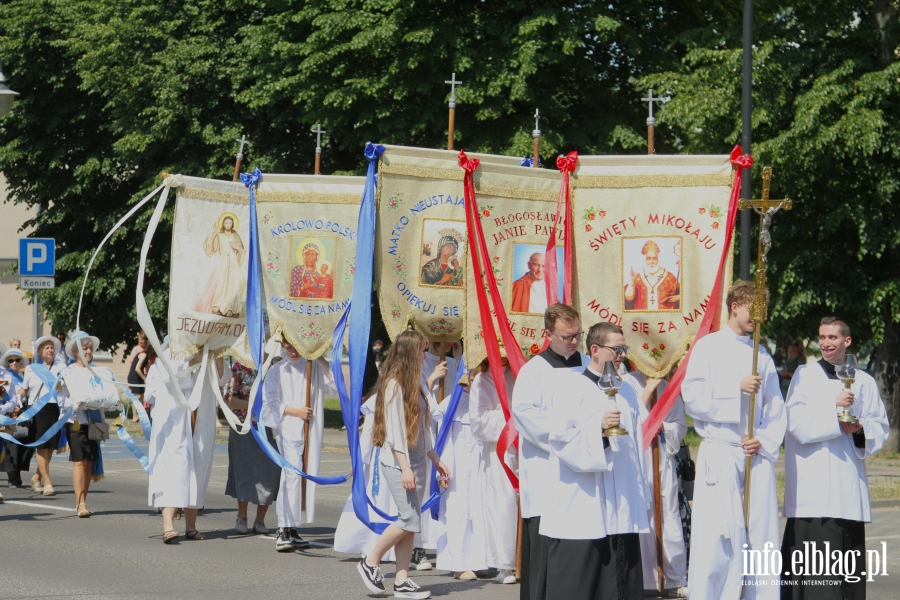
x,y
283,540
409,589
420,561
296,541
371,577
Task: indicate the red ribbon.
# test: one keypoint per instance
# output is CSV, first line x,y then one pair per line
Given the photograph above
x,y
481,262
710,320
565,164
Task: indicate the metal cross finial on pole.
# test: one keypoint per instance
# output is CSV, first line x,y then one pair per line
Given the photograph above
x,y
651,121
239,157
536,134
765,208
318,131
450,130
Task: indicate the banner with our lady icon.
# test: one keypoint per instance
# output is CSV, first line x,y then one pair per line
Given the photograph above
x,y
648,239
421,244
307,233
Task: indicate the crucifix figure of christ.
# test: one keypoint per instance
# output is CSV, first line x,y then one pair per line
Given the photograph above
x,y
318,131
239,157
453,83
651,121
766,208
536,134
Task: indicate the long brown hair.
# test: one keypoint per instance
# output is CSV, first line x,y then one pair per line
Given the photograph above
x,y
402,365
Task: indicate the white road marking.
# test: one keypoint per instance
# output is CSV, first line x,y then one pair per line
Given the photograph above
x,y
36,505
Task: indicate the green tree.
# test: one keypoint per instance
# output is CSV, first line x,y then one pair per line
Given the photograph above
x,y
826,81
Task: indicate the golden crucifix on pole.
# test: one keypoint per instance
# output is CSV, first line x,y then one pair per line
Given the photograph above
x,y
766,209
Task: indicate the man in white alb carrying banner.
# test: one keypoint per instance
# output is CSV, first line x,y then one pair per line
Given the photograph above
x,y
285,411
530,404
716,392
673,430
826,496
596,484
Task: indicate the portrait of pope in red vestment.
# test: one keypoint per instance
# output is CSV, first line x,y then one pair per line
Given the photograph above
x,y
650,286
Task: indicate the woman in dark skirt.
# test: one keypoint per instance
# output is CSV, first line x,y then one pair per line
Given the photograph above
x,y
16,458
32,389
252,477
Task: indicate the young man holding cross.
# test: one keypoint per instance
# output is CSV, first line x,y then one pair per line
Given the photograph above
x,y
716,392
285,411
826,490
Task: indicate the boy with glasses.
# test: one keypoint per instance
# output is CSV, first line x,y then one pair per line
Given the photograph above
x,y
530,403
597,485
716,393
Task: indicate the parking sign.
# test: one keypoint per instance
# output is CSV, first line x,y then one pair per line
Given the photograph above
x,y
37,257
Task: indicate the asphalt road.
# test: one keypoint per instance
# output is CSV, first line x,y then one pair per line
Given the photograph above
x,y
117,553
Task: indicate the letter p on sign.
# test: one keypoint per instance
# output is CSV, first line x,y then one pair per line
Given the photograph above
x,y
37,257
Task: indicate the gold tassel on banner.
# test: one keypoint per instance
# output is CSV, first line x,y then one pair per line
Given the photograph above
x,y
76,426
96,478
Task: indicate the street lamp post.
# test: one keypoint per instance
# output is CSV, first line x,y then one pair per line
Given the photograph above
x,y
6,95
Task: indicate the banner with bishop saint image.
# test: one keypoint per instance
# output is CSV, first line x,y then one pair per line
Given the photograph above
x,y
421,244
648,238
208,277
307,240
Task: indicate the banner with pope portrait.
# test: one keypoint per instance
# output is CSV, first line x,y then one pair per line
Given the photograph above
x,y
421,248
648,238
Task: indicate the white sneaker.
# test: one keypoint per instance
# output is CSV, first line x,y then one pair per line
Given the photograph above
x,y
505,576
410,589
420,560
240,525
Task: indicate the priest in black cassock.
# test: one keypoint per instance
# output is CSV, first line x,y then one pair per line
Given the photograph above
x,y
826,496
530,404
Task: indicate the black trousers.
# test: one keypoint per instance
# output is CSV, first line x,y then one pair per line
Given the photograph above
x,y
533,580
608,568
840,534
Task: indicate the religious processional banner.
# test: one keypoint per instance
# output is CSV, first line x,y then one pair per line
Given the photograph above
x,y
208,277
307,234
421,245
517,209
648,238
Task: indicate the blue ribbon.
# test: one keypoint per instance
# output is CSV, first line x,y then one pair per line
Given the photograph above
x,y
49,381
256,336
145,427
359,312
433,501
528,161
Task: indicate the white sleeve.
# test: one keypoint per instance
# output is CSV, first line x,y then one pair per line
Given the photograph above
x,y
329,387
808,421
770,431
578,442
709,397
530,412
273,405
873,418
675,427
485,413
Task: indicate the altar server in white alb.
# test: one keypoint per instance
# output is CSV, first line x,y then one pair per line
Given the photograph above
x,y
530,408
181,454
826,496
285,411
716,392
671,433
431,530
461,543
495,492
600,492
